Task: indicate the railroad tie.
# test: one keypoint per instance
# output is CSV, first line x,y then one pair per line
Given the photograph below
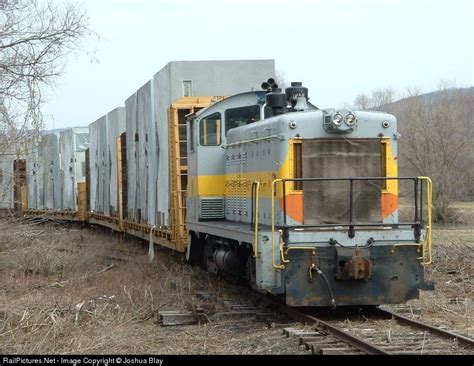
x,y
333,350
300,333
332,342
312,338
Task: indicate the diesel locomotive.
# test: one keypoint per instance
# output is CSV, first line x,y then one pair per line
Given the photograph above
x,y
304,202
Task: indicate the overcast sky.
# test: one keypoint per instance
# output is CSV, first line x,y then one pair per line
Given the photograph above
x,y
338,49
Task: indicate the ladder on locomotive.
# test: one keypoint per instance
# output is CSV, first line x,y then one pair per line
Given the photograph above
x,y
178,163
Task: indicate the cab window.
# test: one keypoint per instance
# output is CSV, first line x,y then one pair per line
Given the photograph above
x,y
191,135
210,130
267,112
241,116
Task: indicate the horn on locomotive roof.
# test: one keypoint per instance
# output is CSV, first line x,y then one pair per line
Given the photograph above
x,y
269,85
294,92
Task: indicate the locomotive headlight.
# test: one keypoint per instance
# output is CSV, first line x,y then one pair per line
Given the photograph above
x,y
350,119
337,119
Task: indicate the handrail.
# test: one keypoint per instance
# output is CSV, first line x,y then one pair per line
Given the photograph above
x,y
255,239
294,247
280,266
428,238
280,137
282,247
417,224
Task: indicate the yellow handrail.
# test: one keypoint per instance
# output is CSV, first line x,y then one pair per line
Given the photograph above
x,y
427,255
255,240
276,266
420,246
282,245
313,249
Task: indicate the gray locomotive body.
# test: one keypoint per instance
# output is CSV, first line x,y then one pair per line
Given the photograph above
x,y
303,202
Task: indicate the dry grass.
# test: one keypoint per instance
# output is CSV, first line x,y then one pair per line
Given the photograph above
x,y
72,290
66,290
451,305
34,249
459,212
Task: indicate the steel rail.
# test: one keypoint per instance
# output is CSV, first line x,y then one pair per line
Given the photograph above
x,y
346,337
320,324
441,332
351,340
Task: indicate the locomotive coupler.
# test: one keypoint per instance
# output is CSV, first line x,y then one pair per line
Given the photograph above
x,y
353,264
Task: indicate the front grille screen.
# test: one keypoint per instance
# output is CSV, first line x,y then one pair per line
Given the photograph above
x,y
327,202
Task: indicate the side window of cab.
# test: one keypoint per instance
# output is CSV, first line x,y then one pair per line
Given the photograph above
x,y
241,116
210,130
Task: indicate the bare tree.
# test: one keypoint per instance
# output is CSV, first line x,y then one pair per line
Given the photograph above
x,y
437,140
362,102
378,99
35,37
381,97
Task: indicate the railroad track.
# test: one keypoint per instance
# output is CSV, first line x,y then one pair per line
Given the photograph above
x,y
355,331
377,332
366,330
372,331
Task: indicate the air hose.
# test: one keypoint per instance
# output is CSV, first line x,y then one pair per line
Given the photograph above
x,y
326,282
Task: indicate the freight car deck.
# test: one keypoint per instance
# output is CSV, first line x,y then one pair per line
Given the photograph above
x,y
173,236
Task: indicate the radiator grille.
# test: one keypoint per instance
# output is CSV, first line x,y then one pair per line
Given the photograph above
x,y
327,202
212,208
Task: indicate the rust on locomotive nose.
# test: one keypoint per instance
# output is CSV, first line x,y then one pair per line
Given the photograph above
x,y
357,268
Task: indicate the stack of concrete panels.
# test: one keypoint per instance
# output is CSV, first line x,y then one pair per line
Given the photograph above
x,y
133,175
93,167
103,135
142,154
73,144
49,161
99,174
115,127
34,175
147,125
10,152
196,78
